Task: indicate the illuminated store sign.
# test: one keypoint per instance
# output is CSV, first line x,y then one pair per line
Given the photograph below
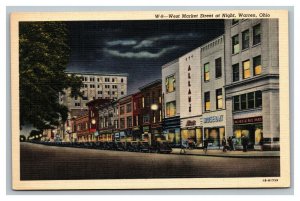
x,y
248,120
213,119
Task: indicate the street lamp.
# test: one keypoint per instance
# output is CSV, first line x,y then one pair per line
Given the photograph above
x,y
154,107
93,121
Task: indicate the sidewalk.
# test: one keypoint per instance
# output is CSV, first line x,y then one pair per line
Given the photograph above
x,y
233,154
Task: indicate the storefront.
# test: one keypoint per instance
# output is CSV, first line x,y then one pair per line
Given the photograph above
x,y
191,130
251,128
214,128
136,133
171,130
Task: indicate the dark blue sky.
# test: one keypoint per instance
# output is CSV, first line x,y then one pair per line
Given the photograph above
x,y
138,48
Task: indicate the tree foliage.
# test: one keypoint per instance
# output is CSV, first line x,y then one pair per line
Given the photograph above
x,y
43,56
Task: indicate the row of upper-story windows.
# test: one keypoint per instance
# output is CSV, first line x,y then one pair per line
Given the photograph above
x,y
247,101
246,69
106,79
219,100
218,69
245,36
105,86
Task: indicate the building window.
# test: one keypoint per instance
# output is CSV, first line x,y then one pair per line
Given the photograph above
x,y
77,104
92,79
189,68
170,84
235,44
218,67
122,110
257,65
99,92
243,101
235,72
245,39
98,79
143,102
219,99
258,99
256,34
122,123
122,92
234,21
207,101
236,103
129,122
137,120
206,72
146,118
246,69
250,97
128,107
247,101
190,108
122,80
113,79
171,108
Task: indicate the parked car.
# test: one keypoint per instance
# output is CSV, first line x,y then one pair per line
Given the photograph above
x,y
162,147
144,147
120,146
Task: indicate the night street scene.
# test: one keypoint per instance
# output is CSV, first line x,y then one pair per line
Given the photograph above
x,y
149,99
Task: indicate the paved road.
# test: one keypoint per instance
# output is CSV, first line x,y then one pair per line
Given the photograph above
x,y
49,162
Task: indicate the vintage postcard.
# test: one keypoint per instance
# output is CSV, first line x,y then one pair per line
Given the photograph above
x,y
150,100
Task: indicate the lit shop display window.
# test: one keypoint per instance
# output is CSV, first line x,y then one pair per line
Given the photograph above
x,y
214,135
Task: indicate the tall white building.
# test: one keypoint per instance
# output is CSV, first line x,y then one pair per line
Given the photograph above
x,y
171,101
95,86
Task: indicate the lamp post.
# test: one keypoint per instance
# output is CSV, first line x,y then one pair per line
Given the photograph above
x,y
154,108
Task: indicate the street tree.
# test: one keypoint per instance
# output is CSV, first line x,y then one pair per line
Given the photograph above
x,y
43,57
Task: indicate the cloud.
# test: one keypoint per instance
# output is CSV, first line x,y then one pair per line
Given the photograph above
x,y
121,42
149,42
139,55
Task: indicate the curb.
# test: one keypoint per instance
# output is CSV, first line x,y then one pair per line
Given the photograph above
x,y
226,156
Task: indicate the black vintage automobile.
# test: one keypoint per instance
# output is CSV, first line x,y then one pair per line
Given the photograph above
x,y
162,147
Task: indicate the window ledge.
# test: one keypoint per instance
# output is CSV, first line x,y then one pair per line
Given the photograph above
x,y
258,44
247,110
244,50
235,54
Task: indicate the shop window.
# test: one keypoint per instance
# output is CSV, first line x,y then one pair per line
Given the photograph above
x,y
250,97
235,44
235,72
236,103
245,39
258,99
206,72
128,107
207,101
129,122
171,109
243,101
170,84
219,99
257,65
218,67
256,34
246,69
